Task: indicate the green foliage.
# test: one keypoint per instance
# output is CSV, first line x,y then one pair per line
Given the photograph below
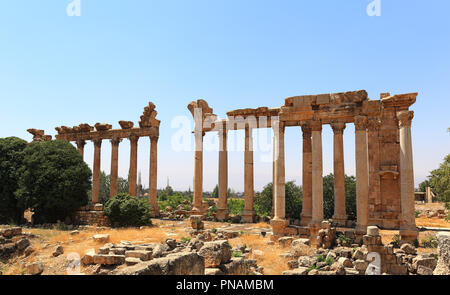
x,y
212,210
350,196
215,193
214,230
236,206
54,180
105,186
11,157
173,201
440,180
125,210
330,261
320,258
293,194
185,240
396,241
343,240
417,213
430,242
423,186
236,254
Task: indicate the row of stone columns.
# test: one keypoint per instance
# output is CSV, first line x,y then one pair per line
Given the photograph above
x,y
132,181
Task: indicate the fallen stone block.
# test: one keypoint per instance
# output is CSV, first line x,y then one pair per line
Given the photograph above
x,y
101,238
141,254
109,259
35,268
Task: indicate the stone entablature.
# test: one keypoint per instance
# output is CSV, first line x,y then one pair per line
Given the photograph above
x,y
382,134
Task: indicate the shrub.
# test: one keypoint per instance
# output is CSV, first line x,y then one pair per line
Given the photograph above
x,y
185,240
173,201
330,261
11,157
293,195
54,180
430,242
237,254
396,241
236,206
125,210
343,240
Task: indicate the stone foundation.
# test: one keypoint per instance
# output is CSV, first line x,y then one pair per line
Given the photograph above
x,y
91,215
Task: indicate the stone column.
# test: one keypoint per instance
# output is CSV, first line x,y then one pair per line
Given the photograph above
x,y
362,175
317,174
153,178
114,166
408,229
307,175
96,172
279,221
133,165
340,216
249,214
222,210
198,171
80,145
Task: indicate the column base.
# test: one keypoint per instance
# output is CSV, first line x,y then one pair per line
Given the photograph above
x,y
305,219
248,216
279,226
408,235
222,214
340,220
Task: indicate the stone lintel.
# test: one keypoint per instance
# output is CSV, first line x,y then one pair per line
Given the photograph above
x,y
109,134
400,100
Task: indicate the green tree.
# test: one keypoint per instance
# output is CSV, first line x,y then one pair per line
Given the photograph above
x,y
423,186
293,194
125,210
350,196
215,193
11,157
54,180
440,180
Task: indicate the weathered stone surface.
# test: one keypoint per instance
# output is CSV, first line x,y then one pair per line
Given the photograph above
x,y
300,242
174,264
88,257
429,262
213,272
237,266
132,261
301,271
197,222
101,238
424,271
22,244
285,241
443,264
361,265
57,250
373,231
215,253
109,259
141,254
409,249
345,262
306,261
35,268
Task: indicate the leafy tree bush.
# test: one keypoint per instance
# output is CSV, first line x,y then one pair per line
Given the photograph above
x,y
11,157
440,180
294,196
236,206
54,180
174,201
350,196
125,210
105,187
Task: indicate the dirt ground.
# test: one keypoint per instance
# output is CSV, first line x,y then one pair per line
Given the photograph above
x,y
268,255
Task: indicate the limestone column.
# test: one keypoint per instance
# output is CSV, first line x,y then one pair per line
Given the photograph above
x,y
317,174
222,210
132,181
198,171
307,175
114,166
408,229
362,175
153,178
96,172
340,215
249,214
279,221
80,145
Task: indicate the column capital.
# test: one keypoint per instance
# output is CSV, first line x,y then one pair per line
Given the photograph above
x,y
133,138
316,125
81,142
115,140
405,118
360,123
374,124
338,127
306,129
97,142
154,138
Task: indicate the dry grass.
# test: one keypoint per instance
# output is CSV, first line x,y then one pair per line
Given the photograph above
x,y
432,222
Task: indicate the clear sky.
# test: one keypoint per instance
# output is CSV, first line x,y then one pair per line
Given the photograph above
x,y
108,63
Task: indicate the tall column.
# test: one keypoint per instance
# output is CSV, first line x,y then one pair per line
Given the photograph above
x,y
222,210
408,229
307,175
153,192
317,173
198,171
132,182
279,221
340,215
114,166
80,145
96,175
249,214
362,175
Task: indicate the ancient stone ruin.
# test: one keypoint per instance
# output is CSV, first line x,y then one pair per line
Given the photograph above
x,y
384,164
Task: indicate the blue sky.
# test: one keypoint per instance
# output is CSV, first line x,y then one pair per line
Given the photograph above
x,y
105,65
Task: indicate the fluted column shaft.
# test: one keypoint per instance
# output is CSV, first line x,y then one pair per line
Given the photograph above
x,y
317,173
133,165
408,227
96,172
222,210
153,178
248,214
114,166
339,216
307,175
362,174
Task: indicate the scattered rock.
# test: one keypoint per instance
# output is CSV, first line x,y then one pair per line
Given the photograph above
x,y
101,238
58,250
35,268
